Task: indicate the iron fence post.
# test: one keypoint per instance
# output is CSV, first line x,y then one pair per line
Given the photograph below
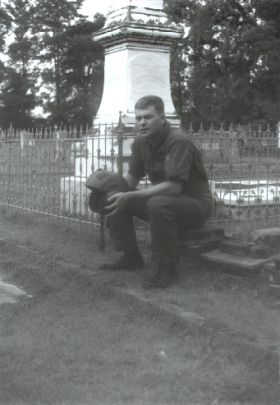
x,y
102,243
120,138
119,133
9,199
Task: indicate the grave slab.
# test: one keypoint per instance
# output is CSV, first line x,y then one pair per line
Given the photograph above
x,y
268,236
245,262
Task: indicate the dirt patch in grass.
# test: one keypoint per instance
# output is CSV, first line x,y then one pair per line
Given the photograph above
x,y
76,341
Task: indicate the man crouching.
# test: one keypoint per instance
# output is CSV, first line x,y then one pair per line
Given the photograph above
x,y
178,199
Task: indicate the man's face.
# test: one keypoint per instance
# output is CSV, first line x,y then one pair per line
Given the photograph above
x,y
149,121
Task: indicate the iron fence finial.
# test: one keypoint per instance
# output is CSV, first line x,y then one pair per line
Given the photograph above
x,y
120,123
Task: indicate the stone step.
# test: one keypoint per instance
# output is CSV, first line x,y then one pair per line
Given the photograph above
x,y
205,233
267,236
261,251
243,262
277,262
235,247
195,248
274,290
243,248
271,272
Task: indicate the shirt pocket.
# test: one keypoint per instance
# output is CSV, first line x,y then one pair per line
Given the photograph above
x,y
157,168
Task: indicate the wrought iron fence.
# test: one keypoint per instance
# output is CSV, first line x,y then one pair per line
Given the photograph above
x,y
44,171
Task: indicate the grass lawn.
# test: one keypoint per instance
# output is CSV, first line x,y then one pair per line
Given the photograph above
x,y
76,341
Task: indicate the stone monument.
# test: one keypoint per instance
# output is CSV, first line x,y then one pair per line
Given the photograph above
x,y
137,38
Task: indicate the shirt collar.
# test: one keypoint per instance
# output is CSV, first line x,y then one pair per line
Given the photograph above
x,y
157,140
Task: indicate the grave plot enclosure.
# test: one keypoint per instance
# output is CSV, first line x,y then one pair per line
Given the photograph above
x,y
44,171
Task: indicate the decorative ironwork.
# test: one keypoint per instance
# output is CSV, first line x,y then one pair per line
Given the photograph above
x,y
44,170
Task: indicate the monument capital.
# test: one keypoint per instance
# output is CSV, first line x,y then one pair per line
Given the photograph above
x,y
136,11
137,40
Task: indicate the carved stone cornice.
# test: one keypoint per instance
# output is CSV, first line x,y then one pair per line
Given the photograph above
x,y
136,13
135,32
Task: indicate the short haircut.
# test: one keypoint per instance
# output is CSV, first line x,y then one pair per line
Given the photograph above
x,y
148,101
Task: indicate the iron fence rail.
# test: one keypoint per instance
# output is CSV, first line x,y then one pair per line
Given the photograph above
x,y
44,171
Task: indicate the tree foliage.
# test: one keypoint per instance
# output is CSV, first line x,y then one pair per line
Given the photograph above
x,y
82,66
265,40
5,22
18,80
229,60
225,69
18,100
52,63
52,28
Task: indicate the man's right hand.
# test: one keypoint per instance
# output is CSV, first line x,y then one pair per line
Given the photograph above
x,y
116,204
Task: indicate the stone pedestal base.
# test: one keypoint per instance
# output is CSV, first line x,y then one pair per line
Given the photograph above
x,y
74,196
100,153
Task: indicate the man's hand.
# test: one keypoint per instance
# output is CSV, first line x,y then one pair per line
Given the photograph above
x,y
116,204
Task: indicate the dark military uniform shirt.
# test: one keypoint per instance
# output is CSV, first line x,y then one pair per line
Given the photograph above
x,y
173,157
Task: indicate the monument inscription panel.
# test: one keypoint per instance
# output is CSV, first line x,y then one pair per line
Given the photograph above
x,y
149,74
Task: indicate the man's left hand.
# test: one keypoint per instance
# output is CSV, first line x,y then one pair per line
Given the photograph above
x,y
116,204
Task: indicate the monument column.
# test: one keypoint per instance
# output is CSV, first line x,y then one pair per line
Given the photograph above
x,y
137,38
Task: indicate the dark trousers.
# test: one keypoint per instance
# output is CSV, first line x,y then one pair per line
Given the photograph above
x,y
168,217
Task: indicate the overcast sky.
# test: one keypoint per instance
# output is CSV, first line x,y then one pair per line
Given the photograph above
x,y
92,7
